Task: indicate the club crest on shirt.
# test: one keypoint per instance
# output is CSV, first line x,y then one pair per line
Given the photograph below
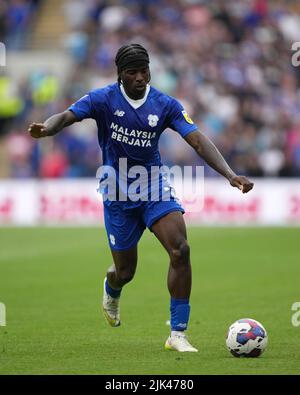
x,y
186,117
153,119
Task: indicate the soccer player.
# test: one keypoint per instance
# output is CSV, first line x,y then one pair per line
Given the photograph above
x,y
131,115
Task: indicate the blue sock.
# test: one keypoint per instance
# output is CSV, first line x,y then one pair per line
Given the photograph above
x,y
114,293
180,314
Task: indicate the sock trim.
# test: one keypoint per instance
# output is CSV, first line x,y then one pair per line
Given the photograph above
x,y
114,293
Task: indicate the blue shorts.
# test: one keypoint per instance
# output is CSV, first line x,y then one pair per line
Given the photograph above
x,y
126,224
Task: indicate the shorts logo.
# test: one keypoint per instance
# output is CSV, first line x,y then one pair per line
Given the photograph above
x,y
112,239
186,117
153,119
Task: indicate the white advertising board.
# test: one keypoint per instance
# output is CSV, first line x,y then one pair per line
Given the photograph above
x,y
76,202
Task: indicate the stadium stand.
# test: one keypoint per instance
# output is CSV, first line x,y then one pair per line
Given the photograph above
x,y
229,63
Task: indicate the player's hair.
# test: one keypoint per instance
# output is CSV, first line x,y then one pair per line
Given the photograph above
x,y
131,55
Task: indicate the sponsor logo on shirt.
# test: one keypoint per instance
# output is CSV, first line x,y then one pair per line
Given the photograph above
x,y
133,137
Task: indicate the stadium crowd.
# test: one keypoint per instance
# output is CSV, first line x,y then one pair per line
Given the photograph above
x,y
16,17
228,62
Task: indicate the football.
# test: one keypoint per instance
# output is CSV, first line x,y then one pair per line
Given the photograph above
x,y
246,338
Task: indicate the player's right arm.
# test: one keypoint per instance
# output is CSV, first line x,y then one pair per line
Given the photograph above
x,y
52,125
204,147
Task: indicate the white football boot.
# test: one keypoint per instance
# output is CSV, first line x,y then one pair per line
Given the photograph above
x,y
178,341
111,308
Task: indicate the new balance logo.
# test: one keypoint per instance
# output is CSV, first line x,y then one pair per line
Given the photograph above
x,y
119,113
2,54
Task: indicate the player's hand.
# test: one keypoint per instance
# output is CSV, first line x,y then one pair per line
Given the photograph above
x,y
242,183
37,130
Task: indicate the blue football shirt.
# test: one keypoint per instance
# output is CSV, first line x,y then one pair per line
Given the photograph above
x,y
128,132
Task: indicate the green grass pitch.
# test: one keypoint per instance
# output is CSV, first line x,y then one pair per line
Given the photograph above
x,y
51,283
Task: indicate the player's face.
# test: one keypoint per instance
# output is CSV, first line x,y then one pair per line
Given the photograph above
x,y
135,82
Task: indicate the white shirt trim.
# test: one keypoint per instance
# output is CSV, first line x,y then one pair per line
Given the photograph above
x,y
135,103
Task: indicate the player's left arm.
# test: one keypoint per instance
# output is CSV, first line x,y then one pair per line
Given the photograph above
x,y
206,149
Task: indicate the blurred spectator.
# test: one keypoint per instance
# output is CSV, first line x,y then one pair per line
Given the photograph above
x,y
54,164
18,146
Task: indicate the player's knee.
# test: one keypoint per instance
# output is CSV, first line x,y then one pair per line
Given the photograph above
x,y
181,253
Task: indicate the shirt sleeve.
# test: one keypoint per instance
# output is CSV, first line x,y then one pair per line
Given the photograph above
x,y
83,108
179,119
